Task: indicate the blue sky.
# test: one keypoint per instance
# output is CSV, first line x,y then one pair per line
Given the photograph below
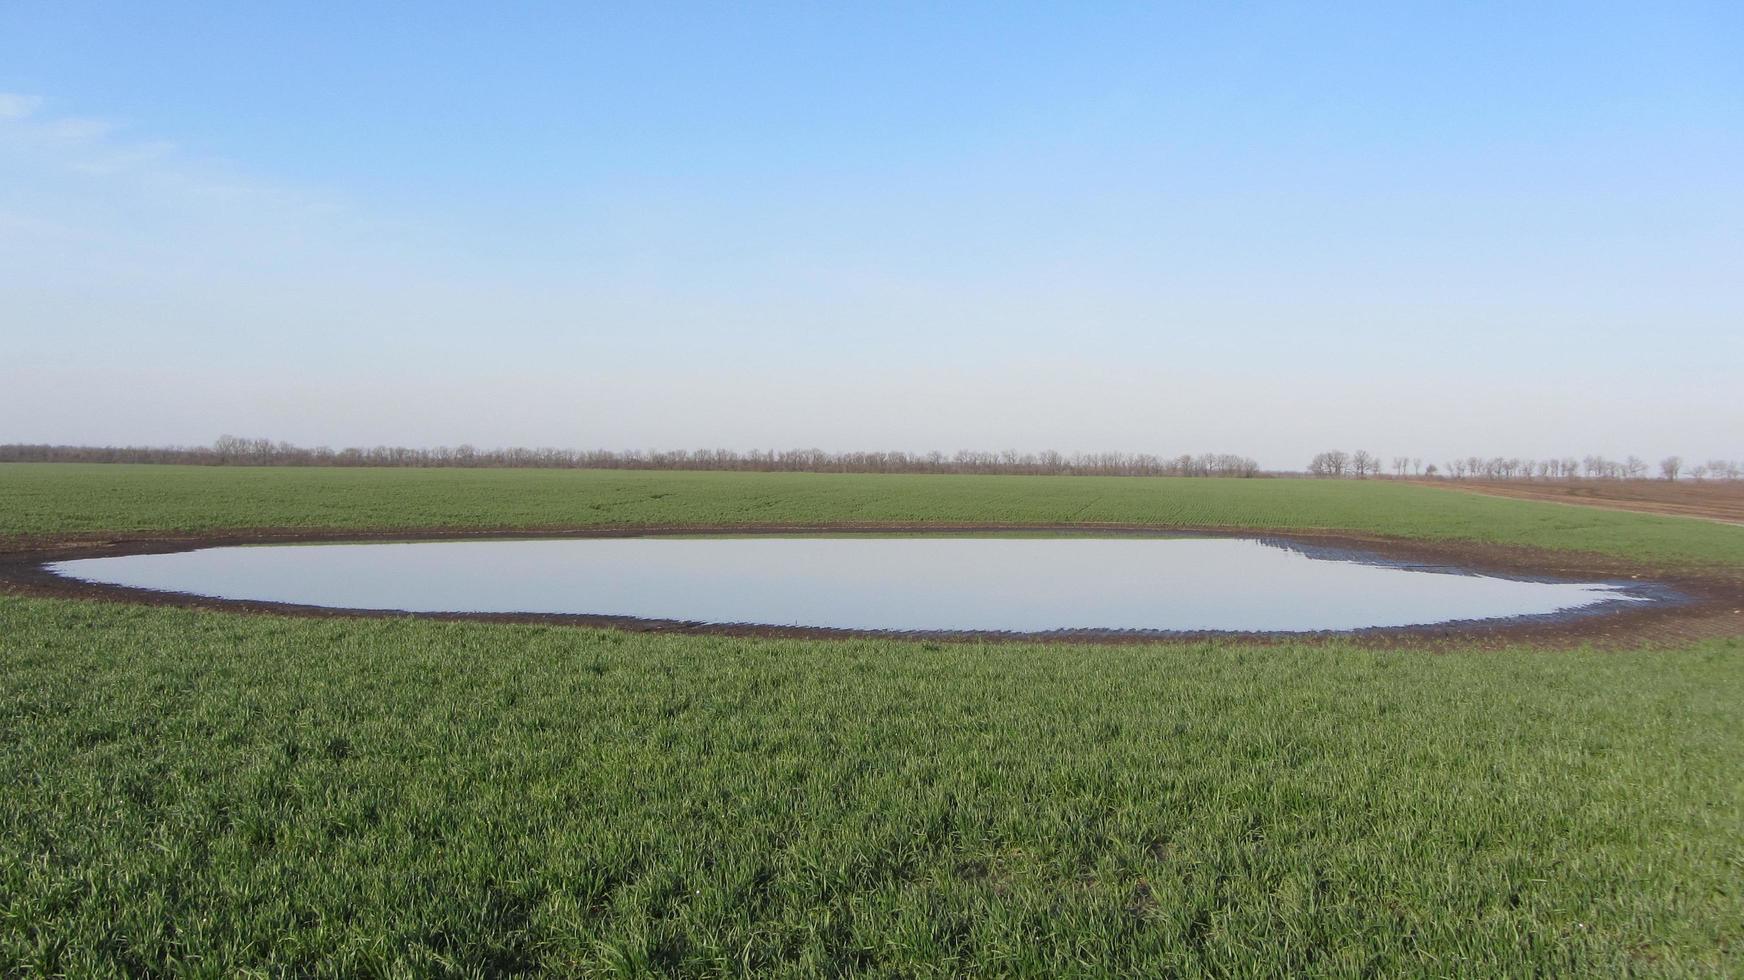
x,y
1266,228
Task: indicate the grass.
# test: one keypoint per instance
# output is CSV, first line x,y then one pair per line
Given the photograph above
x,y
43,499
212,794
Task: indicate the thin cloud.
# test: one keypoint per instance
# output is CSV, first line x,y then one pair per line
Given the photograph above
x,y
125,158
74,130
16,106
87,200
95,148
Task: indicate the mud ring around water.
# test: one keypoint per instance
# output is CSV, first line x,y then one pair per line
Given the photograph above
x,y
1689,604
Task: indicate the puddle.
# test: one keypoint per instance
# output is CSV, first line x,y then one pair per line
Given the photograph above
x,y
907,583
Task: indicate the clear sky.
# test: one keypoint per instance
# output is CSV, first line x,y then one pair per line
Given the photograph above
x,y
1419,229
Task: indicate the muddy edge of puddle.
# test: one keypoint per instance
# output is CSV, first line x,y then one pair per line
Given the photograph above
x,y
1707,604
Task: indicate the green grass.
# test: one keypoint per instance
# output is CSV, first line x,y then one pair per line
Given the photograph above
x,y
214,794
55,498
208,793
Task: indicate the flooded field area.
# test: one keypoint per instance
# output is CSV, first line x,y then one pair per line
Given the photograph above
x,y
861,582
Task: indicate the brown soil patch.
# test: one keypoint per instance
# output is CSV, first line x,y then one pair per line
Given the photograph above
x,y
1712,500
1710,604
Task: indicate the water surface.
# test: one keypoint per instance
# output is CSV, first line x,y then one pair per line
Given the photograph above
x,y
864,583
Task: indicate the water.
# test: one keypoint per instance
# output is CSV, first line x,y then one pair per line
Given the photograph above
x,y
863,583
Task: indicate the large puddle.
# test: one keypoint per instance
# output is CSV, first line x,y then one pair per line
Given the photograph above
x,y
912,583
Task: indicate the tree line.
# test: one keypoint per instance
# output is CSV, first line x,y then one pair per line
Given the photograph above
x,y
1362,464
234,451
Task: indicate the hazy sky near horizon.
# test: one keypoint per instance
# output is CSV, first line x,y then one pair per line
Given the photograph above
x,y
1428,230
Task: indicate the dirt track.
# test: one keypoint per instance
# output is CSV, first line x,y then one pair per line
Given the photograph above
x,y
1721,501
1710,604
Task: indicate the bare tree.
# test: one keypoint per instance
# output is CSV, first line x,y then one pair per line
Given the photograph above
x,y
234,451
1669,467
1332,463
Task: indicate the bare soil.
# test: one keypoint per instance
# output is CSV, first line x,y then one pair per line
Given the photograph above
x,y
1707,604
1712,500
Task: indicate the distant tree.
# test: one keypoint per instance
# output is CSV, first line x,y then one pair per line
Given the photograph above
x,y
1362,464
1669,467
1333,463
228,448
1431,472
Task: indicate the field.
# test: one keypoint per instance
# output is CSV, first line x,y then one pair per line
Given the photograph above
x,y
217,794
1715,500
60,501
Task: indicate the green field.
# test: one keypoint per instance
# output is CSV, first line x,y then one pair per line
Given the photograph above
x,y
46,499
219,794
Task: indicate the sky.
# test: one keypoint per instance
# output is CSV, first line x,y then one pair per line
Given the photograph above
x,y
1433,230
